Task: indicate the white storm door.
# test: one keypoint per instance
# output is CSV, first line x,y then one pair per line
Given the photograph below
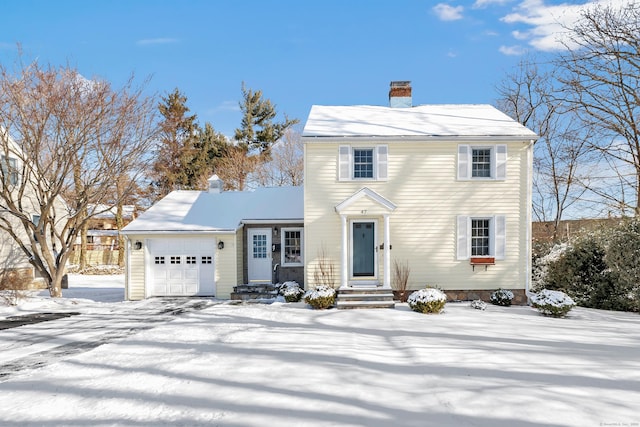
x,y
259,255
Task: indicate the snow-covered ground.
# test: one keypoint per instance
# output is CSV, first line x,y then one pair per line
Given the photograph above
x,y
287,365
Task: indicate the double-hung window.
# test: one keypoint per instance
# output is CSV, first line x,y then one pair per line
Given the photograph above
x,y
481,236
362,163
482,162
292,245
9,170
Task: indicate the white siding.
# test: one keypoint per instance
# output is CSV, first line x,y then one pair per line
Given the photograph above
x,y
423,183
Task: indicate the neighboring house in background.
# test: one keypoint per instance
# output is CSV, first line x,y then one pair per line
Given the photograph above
x,y
102,236
206,242
444,188
11,256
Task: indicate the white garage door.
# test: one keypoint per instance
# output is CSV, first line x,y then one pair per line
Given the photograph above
x,y
181,267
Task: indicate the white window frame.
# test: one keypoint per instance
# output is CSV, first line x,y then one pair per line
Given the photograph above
x,y
498,162
283,247
497,236
346,162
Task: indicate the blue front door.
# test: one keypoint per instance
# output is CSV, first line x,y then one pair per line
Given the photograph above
x,y
363,249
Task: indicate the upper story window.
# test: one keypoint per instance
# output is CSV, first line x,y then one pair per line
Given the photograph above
x,y
9,170
482,162
292,247
362,163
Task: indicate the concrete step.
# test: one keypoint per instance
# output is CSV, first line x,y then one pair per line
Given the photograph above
x,y
247,296
364,304
362,297
387,296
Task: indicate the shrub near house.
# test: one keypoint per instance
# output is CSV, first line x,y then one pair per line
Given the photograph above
x,y
597,269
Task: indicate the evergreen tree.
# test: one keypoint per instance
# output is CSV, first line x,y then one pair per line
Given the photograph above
x,y
209,147
258,130
177,137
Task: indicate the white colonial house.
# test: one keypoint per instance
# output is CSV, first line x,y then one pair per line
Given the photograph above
x,y
443,189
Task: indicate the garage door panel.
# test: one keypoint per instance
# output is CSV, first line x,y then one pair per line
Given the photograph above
x,y
181,266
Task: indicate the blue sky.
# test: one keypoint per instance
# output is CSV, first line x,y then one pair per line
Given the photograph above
x,y
299,53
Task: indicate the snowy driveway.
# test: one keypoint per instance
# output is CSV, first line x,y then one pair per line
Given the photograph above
x,y
39,344
287,365
91,313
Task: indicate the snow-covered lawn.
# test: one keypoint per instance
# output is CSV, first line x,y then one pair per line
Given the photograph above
x,y
287,365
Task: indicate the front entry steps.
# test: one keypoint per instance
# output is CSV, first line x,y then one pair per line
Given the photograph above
x,y
254,291
349,298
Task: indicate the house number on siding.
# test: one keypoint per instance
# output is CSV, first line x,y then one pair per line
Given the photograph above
x,y
363,212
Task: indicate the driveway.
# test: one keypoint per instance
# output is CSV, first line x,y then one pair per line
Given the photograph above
x,y
35,340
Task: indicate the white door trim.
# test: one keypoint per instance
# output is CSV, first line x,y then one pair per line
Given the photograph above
x,y
259,270
367,280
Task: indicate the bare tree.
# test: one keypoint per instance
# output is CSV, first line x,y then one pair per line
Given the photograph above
x,y
529,96
236,168
286,166
63,141
601,77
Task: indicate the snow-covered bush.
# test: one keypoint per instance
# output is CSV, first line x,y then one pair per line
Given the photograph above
x,y
552,303
478,304
291,291
584,275
543,258
622,255
321,297
427,300
501,297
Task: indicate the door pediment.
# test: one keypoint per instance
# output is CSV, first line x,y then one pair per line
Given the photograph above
x,y
365,202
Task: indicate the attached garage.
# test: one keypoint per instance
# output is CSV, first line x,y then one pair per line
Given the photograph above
x,y
181,267
192,243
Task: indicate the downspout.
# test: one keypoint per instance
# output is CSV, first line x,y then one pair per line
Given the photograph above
x,y
127,283
529,254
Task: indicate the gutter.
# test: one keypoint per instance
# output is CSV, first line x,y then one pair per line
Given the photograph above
x,y
172,232
420,138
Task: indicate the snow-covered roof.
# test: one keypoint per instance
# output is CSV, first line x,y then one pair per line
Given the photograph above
x,y
467,120
188,211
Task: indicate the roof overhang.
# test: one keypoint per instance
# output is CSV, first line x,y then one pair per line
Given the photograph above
x,y
427,138
173,232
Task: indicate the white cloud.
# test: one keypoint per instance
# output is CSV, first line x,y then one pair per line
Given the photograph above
x,y
447,12
479,4
224,106
161,40
515,50
548,23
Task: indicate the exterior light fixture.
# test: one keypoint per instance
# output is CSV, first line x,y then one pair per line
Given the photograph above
x,y
221,245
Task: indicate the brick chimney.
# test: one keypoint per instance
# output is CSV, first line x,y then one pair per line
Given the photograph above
x,y
400,94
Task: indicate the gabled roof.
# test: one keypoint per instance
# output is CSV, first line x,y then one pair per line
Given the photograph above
x,y
201,211
423,121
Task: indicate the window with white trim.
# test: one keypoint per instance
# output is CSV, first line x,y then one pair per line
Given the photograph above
x,y
482,162
481,236
362,163
291,243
